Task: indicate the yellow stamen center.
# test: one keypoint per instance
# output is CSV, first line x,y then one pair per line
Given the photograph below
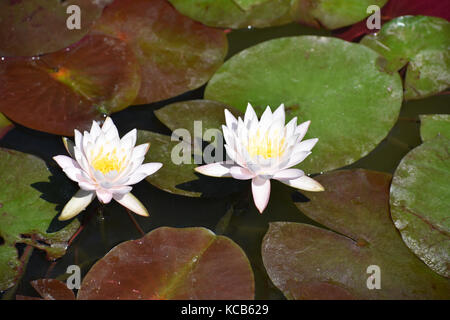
x,y
107,162
267,147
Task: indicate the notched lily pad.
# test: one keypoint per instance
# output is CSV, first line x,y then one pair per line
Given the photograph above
x,y
170,263
177,174
229,14
351,102
25,214
433,125
196,116
332,14
68,89
175,53
34,27
308,262
421,44
420,206
173,178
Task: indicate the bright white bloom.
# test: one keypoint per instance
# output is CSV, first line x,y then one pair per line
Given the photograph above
x,y
105,166
264,150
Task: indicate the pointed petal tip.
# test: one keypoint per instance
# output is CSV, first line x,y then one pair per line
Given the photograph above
x,y
77,204
133,204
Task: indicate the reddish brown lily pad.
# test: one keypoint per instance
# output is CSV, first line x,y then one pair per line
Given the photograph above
x,y
68,89
34,27
170,263
175,53
307,262
52,289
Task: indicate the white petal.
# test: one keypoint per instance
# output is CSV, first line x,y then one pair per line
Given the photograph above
x,y
230,120
290,127
78,138
107,125
250,115
143,171
65,162
104,195
296,158
95,129
78,203
217,169
306,145
128,141
141,150
110,130
241,173
120,190
74,174
261,193
279,114
302,129
304,183
87,186
266,119
68,144
131,202
288,174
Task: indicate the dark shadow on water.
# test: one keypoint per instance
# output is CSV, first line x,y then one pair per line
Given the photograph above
x,y
299,197
212,187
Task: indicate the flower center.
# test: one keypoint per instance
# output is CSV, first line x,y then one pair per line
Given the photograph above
x,y
107,162
265,146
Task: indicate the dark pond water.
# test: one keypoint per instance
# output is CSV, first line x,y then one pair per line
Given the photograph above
x,y
233,215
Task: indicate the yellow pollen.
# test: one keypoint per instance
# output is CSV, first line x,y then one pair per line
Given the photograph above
x,y
107,162
267,147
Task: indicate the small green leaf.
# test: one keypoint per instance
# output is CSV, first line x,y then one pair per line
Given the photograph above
x,y
333,14
420,43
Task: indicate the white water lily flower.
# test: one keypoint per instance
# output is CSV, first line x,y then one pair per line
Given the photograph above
x,y
263,150
105,166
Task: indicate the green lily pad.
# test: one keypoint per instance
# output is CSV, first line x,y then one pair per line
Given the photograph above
x,y
228,14
170,263
5,125
68,89
308,262
177,177
173,178
25,215
351,102
175,53
433,125
28,28
420,206
208,114
422,44
247,4
333,14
